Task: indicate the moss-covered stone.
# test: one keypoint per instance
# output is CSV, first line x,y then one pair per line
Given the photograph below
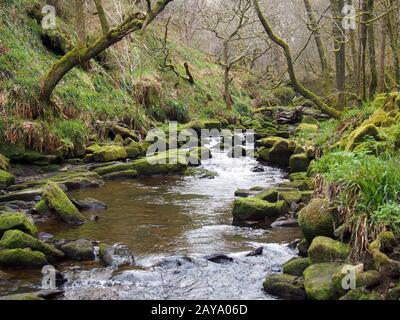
x,y
19,221
280,153
380,119
303,246
254,209
318,281
269,141
58,201
307,128
6,179
360,134
110,153
393,294
22,258
93,148
22,297
299,163
361,294
79,250
285,286
323,249
126,174
42,207
317,219
134,150
4,163
296,266
284,94
310,120
14,239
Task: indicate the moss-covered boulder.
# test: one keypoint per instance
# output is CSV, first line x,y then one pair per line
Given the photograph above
x,y
360,135
296,266
6,179
324,249
310,120
303,246
280,153
285,286
134,150
299,163
110,153
160,164
393,294
79,250
4,163
61,205
318,281
380,118
307,128
268,142
16,239
25,258
18,221
254,209
317,219
285,95
126,174
361,294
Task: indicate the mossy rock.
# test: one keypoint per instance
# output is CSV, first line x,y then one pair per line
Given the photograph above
x,y
4,163
79,250
380,119
42,207
19,221
318,281
21,297
16,239
93,148
269,141
270,195
263,154
296,266
317,219
160,164
58,201
393,294
6,179
361,294
307,128
134,150
299,163
126,174
200,173
284,94
375,148
285,286
110,153
324,249
368,279
310,120
360,135
118,140
280,153
254,209
25,258
298,176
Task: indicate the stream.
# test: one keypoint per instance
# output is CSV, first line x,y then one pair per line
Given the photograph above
x,y
170,224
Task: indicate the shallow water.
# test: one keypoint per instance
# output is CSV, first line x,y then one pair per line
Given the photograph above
x,y
174,221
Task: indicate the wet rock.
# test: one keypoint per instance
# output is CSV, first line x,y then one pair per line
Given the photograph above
x,y
110,153
258,168
296,266
39,295
116,255
293,245
60,204
361,294
245,193
287,223
323,249
126,174
45,236
254,209
134,150
172,262
316,219
303,248
200,173
16,239
285,286
22,258
24,195
299,163
89,204
318,281
258,252
219,258
393,294
19,221
79,250
6,179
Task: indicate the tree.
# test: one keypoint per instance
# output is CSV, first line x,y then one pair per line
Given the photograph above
x,y
83,53
371,49
297,85
102,16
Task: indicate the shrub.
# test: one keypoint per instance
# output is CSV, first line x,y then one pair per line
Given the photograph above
x,y
284,94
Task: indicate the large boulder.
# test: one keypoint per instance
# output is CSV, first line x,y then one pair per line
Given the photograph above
x,y
22,258
281,152
285,286
60,204
299,163
317,219
360,135
254,209
110,153
296,266
6,179
318,281
323,249
16,239
79,250
19,221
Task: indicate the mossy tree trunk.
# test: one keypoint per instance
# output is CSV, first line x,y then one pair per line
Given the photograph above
x,y
371,50
381,78
297,85
79,55
363,51
102,16
394,43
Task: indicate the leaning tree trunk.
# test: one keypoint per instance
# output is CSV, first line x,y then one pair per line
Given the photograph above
x,y
371,50
340,50
77,56
297,85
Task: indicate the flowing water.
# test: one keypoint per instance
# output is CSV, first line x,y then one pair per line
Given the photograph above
x,y
170,223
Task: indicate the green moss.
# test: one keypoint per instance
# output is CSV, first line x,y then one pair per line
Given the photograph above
x,y
323,249
14,239
4,163
22,258
284,94
299,163
58,201
306,128
269,141
310,120
126,174
79,250
296,266
42,207
361,294
255,209
360,134
6,179
285,287
110,153
17,221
